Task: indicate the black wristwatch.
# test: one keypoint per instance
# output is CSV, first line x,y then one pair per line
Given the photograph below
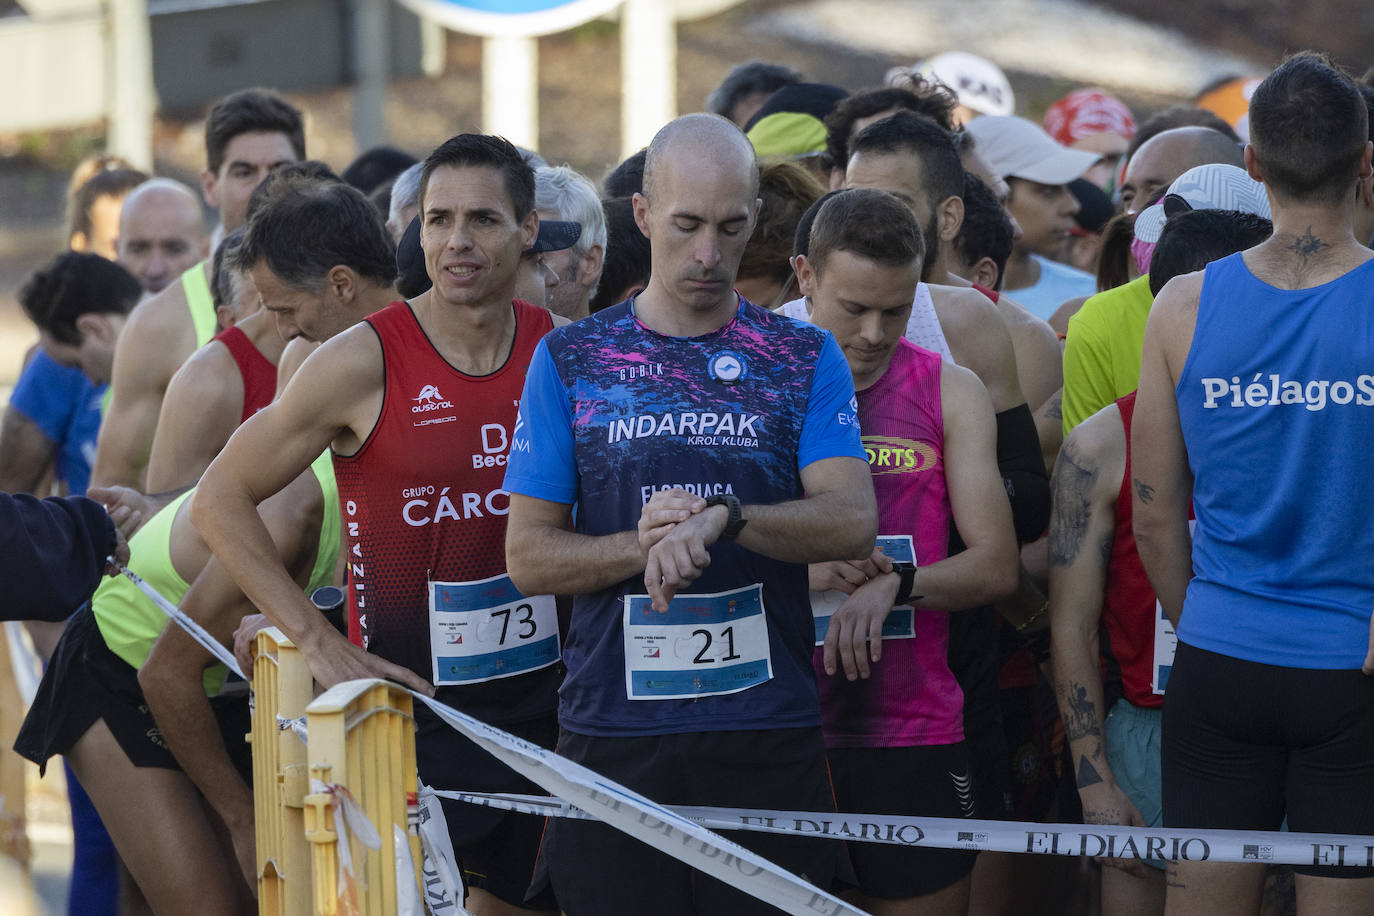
x,y
736,521
907,572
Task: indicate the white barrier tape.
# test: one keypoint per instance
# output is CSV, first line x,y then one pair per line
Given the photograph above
x,y
1115,842
196,631
297,727
349,818
641,818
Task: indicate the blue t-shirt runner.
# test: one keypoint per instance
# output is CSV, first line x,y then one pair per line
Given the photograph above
x,y
65,406
612,412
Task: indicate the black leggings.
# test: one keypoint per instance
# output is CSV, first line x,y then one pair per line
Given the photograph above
x,y
1246,745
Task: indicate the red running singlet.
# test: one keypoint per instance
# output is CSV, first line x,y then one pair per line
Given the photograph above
x,y
422,501
259,375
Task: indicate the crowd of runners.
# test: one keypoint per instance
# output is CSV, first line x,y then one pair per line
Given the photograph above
x,y
875,451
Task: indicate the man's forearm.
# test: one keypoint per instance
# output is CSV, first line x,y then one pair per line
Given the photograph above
x,y
544,560
828,526
1078,688
1165,546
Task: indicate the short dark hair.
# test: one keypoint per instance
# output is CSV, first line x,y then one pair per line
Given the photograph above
x,y
745,79
282,179
986,231
1190,241
108,183
1178,116
1308,129
942,170
787,190
627,261
251,111
801,242
485,150
934,100
871,224
308,230
377,165
626,179
73,284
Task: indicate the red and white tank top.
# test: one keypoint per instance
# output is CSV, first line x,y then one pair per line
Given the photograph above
x,y
259,375
422,500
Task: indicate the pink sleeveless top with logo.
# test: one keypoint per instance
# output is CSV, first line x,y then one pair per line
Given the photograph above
x,y
911,697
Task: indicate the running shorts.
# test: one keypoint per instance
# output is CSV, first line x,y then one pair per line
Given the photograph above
x,y
1246,744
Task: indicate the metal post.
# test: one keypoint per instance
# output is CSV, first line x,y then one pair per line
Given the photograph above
x,y
648,71
372,58
510,89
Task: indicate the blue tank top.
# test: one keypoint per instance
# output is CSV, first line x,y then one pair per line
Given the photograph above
x,y
1272,401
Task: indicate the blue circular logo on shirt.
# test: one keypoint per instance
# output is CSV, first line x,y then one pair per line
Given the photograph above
x,y
727,366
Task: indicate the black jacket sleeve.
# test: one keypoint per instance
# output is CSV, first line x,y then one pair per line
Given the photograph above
x,y
52,554
1023,472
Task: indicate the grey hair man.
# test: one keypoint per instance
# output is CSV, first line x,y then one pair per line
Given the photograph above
x,y
565,194
405,201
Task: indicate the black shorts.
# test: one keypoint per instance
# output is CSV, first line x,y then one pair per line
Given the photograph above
x,y
973,659
1246,744
596,870
86,682
931,781
1030,719
496,850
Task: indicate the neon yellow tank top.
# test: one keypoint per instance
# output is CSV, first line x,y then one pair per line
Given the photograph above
x,y
201,304
131,623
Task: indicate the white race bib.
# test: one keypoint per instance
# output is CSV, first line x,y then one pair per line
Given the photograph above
x,y
481,631
702,646
1166,641
900,624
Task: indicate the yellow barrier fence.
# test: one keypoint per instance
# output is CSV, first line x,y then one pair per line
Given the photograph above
x,y
282,686
362,757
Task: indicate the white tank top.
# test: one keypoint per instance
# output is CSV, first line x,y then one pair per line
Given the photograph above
x,y
922,328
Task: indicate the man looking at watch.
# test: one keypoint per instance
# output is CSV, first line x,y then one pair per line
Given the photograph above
x,y
637,415
892,711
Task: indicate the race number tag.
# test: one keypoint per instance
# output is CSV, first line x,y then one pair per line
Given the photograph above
x,y
702,646
900,624
481,631
1166,643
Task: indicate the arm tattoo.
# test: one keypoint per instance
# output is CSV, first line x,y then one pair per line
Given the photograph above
x,y
1087,774
1143,491
1074,477
1054,409
1081,718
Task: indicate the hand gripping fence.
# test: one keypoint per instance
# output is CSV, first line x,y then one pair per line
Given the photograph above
x,y
355,816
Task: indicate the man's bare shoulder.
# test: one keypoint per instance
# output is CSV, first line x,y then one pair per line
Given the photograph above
x,y
208,374
163,312
1100,440
352,359
1179,297
965,307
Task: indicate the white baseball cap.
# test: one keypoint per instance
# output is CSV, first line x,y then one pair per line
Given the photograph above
x,y
1017,148
1205,187
979,83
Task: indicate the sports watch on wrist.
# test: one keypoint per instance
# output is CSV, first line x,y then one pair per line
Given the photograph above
x,y
735,522
907,581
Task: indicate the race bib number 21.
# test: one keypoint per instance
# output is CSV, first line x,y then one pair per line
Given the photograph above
x,y
702,646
